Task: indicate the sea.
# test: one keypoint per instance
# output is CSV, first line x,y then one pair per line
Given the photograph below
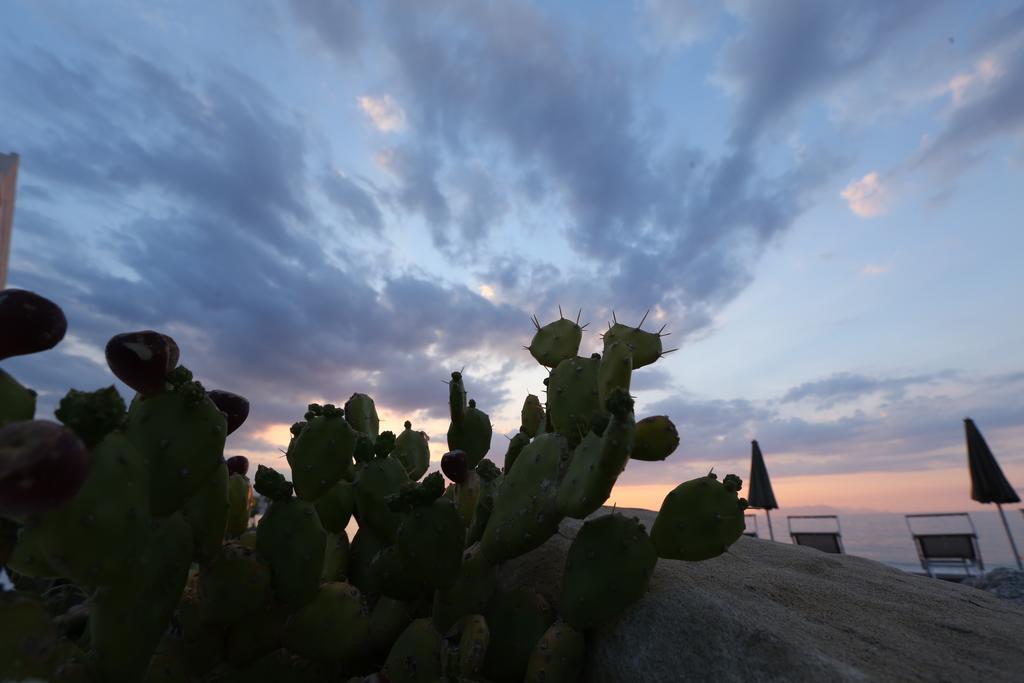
x,y
885,536
881,536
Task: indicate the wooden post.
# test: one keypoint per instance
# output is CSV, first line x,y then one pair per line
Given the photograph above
x,y
8,184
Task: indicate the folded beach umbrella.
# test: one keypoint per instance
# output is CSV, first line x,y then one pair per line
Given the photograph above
x,y
759,487
988,484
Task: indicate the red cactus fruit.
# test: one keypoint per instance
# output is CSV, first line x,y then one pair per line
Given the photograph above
x,y
142,359
29,323
454,466
42,465
238,464
234,407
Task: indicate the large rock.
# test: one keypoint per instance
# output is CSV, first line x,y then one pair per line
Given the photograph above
x,y
769,611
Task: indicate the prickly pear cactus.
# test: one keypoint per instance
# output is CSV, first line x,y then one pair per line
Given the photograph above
x,y
413,451
361,413
526,511
699,519
181,434
656,438
573,399
322,452
333,627
413,597
608,567
555,341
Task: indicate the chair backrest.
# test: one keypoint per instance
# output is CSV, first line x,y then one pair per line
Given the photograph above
x,y
947,546
825,541
750,522
956,549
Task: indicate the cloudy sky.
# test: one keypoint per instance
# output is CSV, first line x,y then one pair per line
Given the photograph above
x,y
822,201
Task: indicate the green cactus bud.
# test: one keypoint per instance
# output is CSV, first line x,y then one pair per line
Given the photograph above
x,y
361,413
532,416
515,446
457,397
272,484
698,520
384,444
656,438
414,495
487,470
614,370
240,502
608,567
555,342
92,414
517,621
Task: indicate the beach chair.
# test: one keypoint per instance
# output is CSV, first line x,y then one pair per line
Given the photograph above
x,y
751,530
948,549
825,541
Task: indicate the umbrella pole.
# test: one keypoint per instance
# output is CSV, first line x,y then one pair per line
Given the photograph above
x,y
1013,545
771,534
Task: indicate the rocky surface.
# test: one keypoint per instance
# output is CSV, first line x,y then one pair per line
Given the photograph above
x,y
1004,583
769,611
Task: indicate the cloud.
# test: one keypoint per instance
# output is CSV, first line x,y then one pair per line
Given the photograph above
x,y
792,50
962,85
354,199
911,430
200,196
525,97
845,387
872,269
994,109
680,23
866,197
384,112
337,25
